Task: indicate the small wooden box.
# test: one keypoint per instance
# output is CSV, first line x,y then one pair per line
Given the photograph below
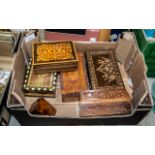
x,y
105,102
54,56
73,82
109,96
39,84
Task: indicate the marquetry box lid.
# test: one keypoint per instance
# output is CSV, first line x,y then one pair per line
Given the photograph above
x,y
54,56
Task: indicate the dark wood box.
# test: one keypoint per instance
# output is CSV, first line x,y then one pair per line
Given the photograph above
x,y
109,95
39,84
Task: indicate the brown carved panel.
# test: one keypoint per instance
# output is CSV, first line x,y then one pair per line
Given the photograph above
x,y
103,69
75,81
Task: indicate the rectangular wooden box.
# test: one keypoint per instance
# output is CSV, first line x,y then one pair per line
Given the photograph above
x,y
54,56
42,85
105,102
109,95
72,83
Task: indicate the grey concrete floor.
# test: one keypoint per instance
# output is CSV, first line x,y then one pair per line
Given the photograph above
x,y
13,122
149,120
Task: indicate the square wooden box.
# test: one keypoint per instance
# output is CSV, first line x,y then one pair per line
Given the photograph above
x,y
43,85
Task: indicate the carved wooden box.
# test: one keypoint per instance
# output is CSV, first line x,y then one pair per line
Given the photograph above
x,y
108,95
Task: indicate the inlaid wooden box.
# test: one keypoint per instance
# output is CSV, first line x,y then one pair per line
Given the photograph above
x,y
42,85
108,95
54,56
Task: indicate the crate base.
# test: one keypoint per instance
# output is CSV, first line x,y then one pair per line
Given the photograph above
x,y
25,120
